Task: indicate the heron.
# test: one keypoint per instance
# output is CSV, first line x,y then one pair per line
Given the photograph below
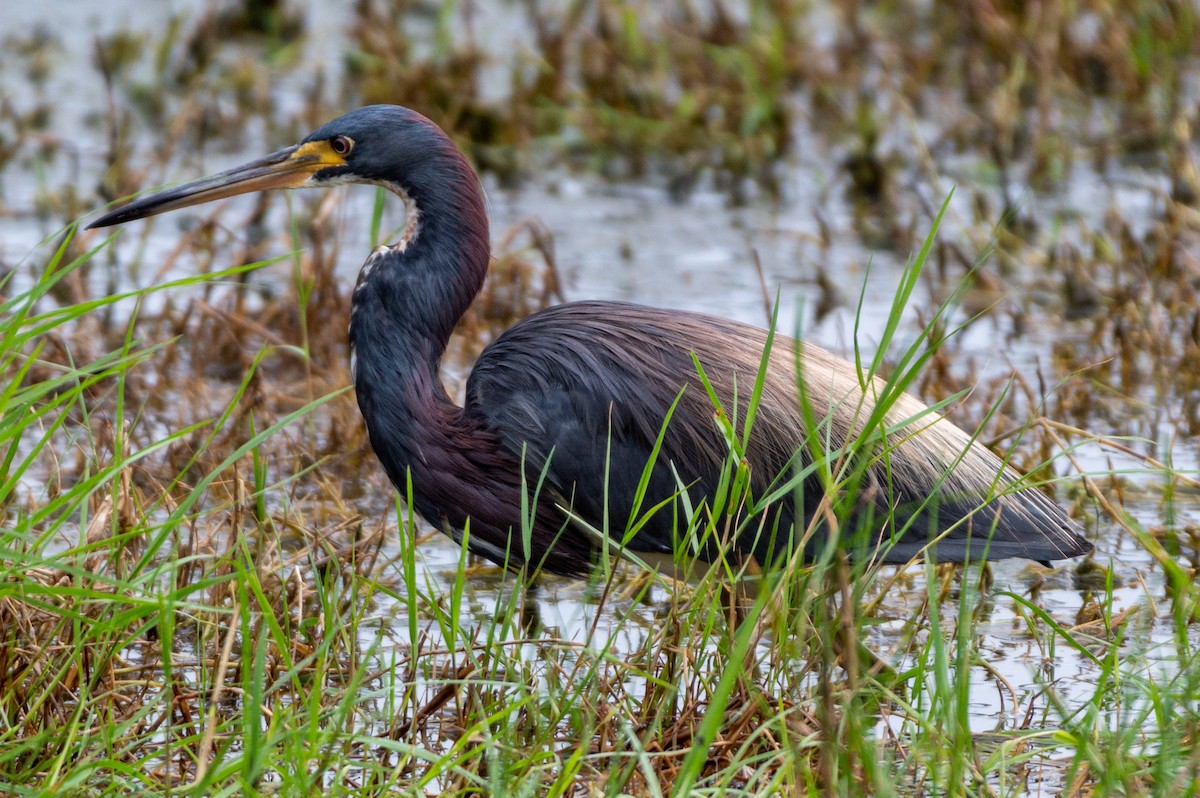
x,y
584,416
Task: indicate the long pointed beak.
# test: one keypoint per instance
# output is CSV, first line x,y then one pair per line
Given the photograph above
x,y
287,168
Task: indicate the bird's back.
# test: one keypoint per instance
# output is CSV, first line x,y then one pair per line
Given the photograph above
x,y
581,392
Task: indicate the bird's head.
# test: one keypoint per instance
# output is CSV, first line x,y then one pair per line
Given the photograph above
x,y
379,144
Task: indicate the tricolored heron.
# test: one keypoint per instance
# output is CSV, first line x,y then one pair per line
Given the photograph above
x,y
565,409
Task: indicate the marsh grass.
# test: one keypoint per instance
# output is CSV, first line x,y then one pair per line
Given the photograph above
x,y
197,610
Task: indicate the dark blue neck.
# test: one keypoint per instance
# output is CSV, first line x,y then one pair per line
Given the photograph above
x,y
405,306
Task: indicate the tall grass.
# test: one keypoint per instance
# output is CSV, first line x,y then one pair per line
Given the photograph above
x,y
169,632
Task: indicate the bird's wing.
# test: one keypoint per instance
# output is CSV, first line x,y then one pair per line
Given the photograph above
x,y
581,391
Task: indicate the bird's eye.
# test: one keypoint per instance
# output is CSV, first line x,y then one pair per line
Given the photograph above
x,y
341,145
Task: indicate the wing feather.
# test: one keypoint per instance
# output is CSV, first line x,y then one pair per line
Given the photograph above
x,y
585,388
